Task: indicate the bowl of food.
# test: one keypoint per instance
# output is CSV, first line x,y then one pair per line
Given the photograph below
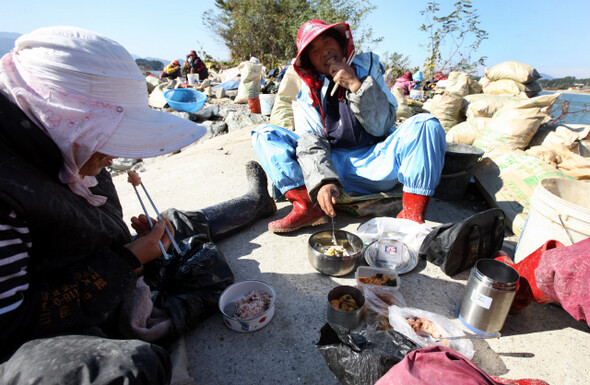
x,y
335,256
346,305
247,306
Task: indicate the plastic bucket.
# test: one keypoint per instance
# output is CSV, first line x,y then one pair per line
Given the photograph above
x,y
488,296
192,79
266,103
460,162
416,94
254,104
559,209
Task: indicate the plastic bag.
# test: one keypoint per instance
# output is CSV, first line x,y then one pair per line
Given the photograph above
x,y
398,319
362,358
405,230
189,284
377,303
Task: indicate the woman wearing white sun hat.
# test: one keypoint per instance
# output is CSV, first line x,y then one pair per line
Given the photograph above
x,y
71,101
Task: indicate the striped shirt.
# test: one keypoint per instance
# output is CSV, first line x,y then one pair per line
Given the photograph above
x,y
15,243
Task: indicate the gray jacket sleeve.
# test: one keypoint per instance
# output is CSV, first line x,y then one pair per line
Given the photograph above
x,y
372,109
313,155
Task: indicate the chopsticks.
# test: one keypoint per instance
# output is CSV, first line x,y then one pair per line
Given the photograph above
x,y
134,179
352,55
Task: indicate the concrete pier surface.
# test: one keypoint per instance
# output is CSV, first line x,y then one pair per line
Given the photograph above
x,y
542,342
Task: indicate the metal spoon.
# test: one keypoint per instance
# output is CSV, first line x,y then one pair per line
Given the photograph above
x,y
230,311
334,234
467,336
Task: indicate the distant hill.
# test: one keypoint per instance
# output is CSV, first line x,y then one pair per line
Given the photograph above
x,y
164,61
7,41
7,44
547,77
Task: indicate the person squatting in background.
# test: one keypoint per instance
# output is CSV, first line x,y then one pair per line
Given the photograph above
x,y
346,142
404,82
172,70
194,65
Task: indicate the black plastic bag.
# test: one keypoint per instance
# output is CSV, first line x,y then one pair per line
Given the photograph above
x,y
188,285
362,358
457,246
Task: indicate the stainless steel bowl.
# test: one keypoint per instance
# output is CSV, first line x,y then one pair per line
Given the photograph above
x,y
335,265
348,319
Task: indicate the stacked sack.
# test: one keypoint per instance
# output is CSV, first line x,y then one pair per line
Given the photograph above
x,y
512,78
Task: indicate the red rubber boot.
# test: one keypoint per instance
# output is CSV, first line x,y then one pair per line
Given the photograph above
x,y
527,290
304,213
524,381
414,207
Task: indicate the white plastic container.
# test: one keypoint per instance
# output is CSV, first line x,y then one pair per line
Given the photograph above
x,y
266,103
555,200
192,79
367,271
416,94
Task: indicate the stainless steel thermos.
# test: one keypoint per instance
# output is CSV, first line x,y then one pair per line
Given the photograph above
x,y
488,296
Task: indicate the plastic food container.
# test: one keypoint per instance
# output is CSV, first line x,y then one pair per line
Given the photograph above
x,y
367,271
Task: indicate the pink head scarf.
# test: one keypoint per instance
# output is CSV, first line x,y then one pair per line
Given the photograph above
x,y
86,92
49,97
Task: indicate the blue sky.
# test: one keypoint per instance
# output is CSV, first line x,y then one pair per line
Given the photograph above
x,y
549,35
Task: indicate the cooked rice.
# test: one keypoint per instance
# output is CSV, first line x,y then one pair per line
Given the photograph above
x,y
253,304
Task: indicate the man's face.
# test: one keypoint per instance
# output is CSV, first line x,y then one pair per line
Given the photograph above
x,y
323,51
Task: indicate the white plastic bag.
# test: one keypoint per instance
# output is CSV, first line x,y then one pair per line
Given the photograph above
x,y
412,234
398,319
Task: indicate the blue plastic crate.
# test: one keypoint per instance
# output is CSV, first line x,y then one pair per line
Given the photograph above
x,y
185,99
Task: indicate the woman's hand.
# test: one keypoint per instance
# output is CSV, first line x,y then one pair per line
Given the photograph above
x,y
345,76
146,247
327,198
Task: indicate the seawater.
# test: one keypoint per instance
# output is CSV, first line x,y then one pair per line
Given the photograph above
x,y
578,102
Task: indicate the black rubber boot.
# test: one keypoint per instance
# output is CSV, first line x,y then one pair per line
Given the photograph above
x,y
236,214
226,218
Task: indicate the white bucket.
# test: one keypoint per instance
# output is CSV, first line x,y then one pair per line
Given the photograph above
x,y
552,200
266,103
416,94
192,79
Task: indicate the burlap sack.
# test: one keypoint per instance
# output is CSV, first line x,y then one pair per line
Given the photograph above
x,y
446,108
513,70
466,132
459,83
507,179
282,111
516,124
403,110
249,81
485,106
511,87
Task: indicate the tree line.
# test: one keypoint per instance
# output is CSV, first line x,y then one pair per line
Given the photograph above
x,y
149,65
563,83
267,30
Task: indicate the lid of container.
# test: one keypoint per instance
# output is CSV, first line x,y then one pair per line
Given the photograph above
x,y
408,262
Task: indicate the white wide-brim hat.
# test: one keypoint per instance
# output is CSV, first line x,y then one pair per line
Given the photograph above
x,y
85,64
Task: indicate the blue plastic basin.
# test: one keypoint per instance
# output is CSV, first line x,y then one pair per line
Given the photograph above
x,y
185,99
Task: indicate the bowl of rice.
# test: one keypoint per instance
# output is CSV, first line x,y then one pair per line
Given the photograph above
x,y
247,306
